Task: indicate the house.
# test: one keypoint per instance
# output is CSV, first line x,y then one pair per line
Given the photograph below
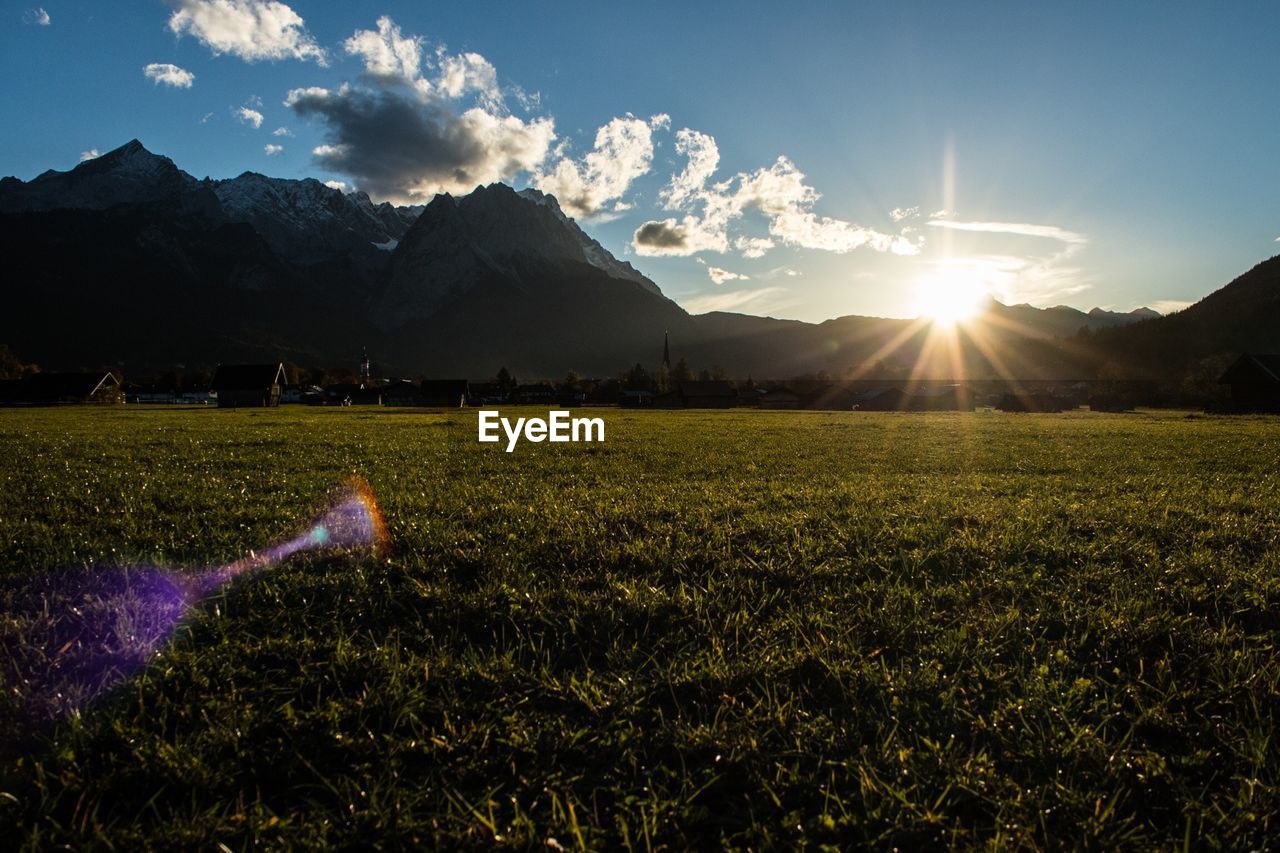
x,y
540,393
779,398
947,398
352,394
1255,383
248,385
52,389
890,399
635,398
710,394
445,393
1030,402
402,392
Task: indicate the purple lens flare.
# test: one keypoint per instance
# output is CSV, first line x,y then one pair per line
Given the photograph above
x,y
72,635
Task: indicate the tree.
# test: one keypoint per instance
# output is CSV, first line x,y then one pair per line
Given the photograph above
x,y
505,380
11,367
638,378
681,372
662,379
572,381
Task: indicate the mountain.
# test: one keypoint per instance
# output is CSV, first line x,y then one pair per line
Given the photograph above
x,y
1243,316
127,258
128,175
305,220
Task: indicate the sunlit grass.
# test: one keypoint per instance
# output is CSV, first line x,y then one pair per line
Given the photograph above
x,y
749,628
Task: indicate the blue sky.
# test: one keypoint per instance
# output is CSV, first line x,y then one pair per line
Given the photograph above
x,y
1083,154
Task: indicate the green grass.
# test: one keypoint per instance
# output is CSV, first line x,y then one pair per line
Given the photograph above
x,y
752,629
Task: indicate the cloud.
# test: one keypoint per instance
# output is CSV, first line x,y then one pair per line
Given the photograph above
x,y
623,152
36,16
421,121
249,116
758,300
779,192
900,213
170,75
205,119
669,237
91,154
403,148
720,276
282,131
753,247
387,54
341,186
1022,229
252,30
272,150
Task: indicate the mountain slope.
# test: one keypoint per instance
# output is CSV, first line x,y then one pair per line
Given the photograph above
x,y
1243,316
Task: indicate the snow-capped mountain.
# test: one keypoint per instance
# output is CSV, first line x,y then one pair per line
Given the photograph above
x,y
592,252
128,175
305,220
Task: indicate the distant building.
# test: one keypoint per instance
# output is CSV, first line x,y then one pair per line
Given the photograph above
x,y
52,389
445,393
1255,383
1030,402
712,394
248,385
779,398
946,398
891,399
402,392
352,394
635,398
535,394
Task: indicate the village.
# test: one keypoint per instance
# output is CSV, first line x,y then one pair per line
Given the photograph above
x,y
1253,382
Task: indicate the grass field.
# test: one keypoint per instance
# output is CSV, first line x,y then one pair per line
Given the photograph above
x,y
744,628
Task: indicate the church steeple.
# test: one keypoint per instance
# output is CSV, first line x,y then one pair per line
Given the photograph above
x,y
366,375
666,350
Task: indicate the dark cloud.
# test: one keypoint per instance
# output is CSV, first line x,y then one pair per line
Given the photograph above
x,y
402,146
665,236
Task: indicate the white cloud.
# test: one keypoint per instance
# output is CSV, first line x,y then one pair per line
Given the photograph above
x,y
170,75
252,30
272,150
204,119
341,186
37,16
91,154
282,131
758,300
753,247
720,276
900,213
466,74
249,116
387,53
623,152
779,192
702,159
1022,229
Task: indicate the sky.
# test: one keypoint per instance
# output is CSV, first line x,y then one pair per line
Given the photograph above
x,y
808,162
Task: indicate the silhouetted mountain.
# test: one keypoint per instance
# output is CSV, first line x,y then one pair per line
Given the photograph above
x,y
1243,316
127,258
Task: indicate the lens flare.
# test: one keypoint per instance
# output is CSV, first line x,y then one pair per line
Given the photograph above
x,y
72,635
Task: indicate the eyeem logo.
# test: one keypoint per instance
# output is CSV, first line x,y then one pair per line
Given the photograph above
x,y
557,426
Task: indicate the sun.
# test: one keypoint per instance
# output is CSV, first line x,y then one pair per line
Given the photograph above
x,y
950,295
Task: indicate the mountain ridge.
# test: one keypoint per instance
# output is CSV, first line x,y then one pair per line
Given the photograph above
x,y
460,286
